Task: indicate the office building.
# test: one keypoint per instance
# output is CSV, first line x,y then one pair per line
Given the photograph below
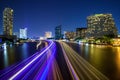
x,y
100,25
81,32
23,33
64,34
70,35
58,34
8,22
48,34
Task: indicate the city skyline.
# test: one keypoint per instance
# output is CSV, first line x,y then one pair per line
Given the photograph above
x,y
48,14
59,40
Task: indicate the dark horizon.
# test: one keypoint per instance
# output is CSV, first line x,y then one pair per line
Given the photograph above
x,y
44,15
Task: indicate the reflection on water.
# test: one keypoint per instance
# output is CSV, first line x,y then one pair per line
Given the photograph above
x,y
5,55
24,51
11,54
104,58
118,60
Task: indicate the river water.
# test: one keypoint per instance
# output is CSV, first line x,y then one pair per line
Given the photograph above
x,y
13,54
105,58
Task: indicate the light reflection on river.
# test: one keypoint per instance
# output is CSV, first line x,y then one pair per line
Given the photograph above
x,y
104,58
12,54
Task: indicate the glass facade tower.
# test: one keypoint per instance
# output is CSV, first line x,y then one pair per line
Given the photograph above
x,y
58,34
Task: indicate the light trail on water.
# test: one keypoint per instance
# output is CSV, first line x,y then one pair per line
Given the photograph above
x,y
79,66
16,71
50,67
44,65
21,70
73,73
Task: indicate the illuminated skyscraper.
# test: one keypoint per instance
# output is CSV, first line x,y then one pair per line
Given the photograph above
x,y
100,25
8,21
48,34
23,33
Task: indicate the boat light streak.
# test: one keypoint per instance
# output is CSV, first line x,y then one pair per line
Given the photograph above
x,y
21,70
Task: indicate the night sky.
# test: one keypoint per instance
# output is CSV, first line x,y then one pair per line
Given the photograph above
x,y
44,15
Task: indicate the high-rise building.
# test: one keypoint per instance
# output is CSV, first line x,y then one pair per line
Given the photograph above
x,y
100,25
58,34
81,32
23,33
70,35
64,34
48,34
8,22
